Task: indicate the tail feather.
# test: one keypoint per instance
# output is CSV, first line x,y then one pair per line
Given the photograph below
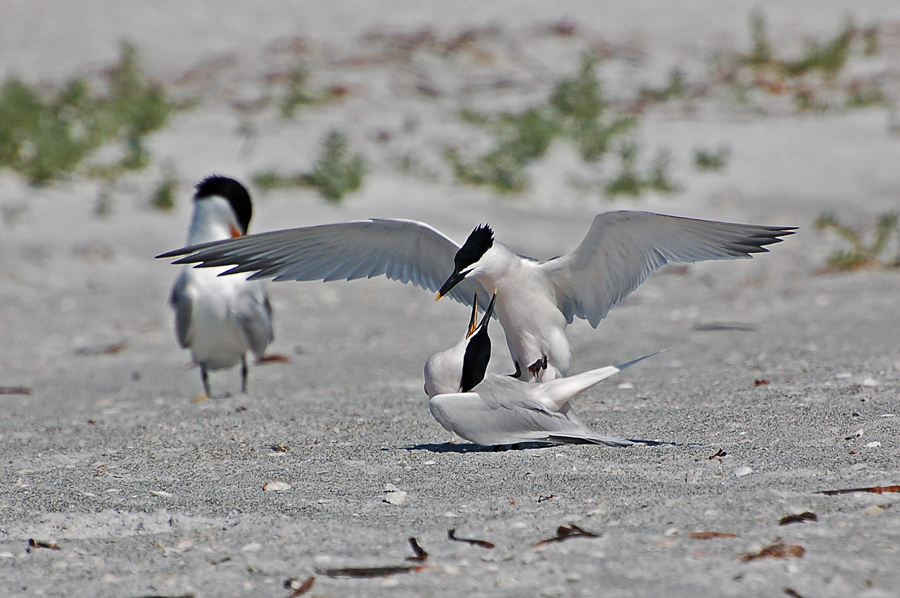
x,y
562,390
639,359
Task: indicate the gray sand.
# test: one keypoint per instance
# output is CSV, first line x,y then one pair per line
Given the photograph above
x,y
792,374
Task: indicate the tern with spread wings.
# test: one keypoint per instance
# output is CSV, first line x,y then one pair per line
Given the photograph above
x,y
536,300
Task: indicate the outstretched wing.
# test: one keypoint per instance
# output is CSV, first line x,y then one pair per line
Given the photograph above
x,y
404,250
623,248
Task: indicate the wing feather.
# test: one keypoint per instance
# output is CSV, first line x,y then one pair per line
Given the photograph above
x,y
623,248
403,250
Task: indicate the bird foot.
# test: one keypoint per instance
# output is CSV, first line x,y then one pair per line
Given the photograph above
x,y
536,367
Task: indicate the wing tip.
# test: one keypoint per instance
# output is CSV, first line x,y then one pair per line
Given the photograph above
x,y
173,253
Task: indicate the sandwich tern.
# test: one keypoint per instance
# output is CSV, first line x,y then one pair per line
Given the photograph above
x,y
536,299
498,410
220,318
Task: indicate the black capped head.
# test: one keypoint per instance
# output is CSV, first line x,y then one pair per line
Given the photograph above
x,y
480,240
233,191
478,352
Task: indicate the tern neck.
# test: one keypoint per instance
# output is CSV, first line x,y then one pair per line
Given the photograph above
x,y
213,220
443,370
494,264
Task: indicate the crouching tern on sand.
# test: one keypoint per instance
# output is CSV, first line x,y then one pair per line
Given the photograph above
x,y
498,410
220,318
536,300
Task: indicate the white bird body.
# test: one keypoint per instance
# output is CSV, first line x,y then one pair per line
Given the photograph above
x,y
531,311
535,300
219,318
497,410
504,410
227,317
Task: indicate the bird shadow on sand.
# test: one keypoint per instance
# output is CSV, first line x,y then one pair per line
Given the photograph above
x,y
451,447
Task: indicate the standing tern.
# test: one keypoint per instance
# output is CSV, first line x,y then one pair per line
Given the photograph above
x,y
220,318
499,410
536,300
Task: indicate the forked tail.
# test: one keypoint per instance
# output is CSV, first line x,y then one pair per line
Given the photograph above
x,y
562,390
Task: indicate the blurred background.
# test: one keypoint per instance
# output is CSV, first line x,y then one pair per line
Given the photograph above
x,y
531,115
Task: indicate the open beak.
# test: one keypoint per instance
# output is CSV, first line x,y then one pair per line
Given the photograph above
x,y
489,311
473,319
455,279
235,232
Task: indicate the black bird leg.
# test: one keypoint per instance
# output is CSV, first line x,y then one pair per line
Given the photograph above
x,y
205,378
244,374
537,366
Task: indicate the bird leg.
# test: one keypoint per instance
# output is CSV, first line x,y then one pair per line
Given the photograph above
x,y
244,374
537,366
518,371
205,378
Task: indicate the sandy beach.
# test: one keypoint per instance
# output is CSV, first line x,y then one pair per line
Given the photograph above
x,y
781,382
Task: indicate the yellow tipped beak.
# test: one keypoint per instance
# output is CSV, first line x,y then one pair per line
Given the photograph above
x,y
438,298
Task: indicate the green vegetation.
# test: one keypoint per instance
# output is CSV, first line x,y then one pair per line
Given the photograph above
x,y
134,108
45,138
521,138
42,140
576,110
761,54
862,254
298,93
870,41
862,94
813,78
163,197
334,174
104,206
828,58
408,165
631,183
805,100
711,160
582,112
676,88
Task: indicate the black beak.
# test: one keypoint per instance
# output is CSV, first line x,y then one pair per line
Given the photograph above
x,y
455,279
474,326
489,311
473,319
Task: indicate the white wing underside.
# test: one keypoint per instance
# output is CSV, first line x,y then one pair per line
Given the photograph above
x,y
404,250
623,248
